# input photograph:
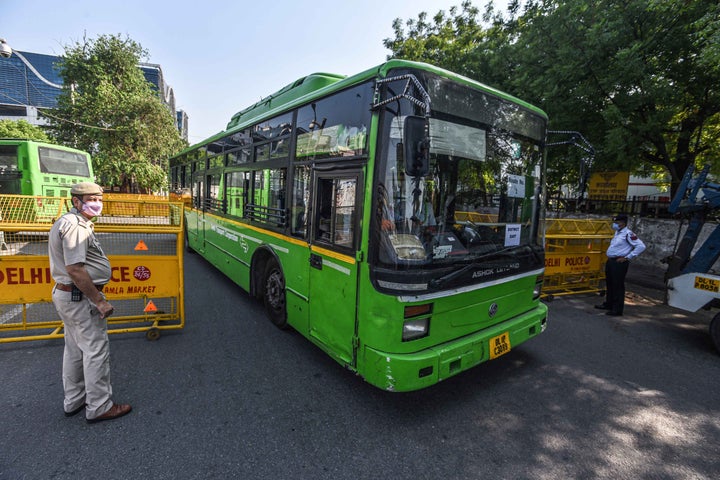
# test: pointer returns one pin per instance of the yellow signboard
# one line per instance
(28, 279)
(608, 185)
(572, 263)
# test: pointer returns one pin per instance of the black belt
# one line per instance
(69, 288)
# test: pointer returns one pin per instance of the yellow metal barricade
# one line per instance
(145, 248)
(131, 204)
(575, 256)
(475, 217)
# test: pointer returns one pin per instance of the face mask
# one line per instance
(615, 226)
(93, 208)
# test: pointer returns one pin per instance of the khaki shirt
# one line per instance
(72, 240)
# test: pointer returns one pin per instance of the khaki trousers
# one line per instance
(86, 359)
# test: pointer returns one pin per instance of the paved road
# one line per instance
(230, 396)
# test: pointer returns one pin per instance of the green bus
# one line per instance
(41, 169)
(391, 217)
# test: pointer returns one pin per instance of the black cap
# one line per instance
(621, 218)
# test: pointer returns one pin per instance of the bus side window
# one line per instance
(236, 188)
(8, 159)
(324, 209)
(345, 212)
(198, 192)
(336, 211)
(301, 201)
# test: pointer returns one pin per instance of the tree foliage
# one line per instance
(22, 129)
(108, 109)
(450, 40)
(639, 78)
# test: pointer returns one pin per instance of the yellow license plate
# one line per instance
(499, 345)
(707, 284)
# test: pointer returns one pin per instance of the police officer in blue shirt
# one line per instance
(624, 246)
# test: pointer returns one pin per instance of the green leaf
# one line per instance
(108, 109)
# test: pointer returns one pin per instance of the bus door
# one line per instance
(195, 223)
(334, 237)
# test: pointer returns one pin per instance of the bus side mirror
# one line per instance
(416, 147)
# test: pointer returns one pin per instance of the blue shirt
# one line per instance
(625, 244)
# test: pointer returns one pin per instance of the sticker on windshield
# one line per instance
(442, 251)
(516, 186)
(512, 235)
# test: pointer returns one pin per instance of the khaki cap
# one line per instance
(86, 188)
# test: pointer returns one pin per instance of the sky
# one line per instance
(222, 56)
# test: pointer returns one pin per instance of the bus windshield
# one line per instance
(473, 214)
(61, 162)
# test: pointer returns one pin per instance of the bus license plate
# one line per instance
(499, 345)
(707, 284)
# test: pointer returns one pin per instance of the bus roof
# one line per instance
(16, 141)
(297, 89)
(317, 85)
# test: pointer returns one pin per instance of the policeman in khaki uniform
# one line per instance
(80, 270)
(624, 246)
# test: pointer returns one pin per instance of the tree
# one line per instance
(22, 129)
(482, 48)
(640, 79)
(459, 41)
(634, 73)
(107, 108)
(451, 41)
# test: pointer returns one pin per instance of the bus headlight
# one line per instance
(414, 329)
(538, 287)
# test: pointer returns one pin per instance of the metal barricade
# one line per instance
(145, 248)
(575, 256)
(131, 204)
(476, 217)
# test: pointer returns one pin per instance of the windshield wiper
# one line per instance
(436, 283)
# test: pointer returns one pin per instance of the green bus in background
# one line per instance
(41, 169)
(391, 217)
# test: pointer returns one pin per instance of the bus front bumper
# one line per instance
(413, 371)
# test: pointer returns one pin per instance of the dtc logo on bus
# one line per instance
(141, 273)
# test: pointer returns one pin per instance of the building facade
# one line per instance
(31, 81)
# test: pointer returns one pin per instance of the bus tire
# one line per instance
(715, 331)
(274, 294)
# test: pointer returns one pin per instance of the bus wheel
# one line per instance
(715, 331)
(274, 296)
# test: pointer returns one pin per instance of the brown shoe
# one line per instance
(116, 411)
